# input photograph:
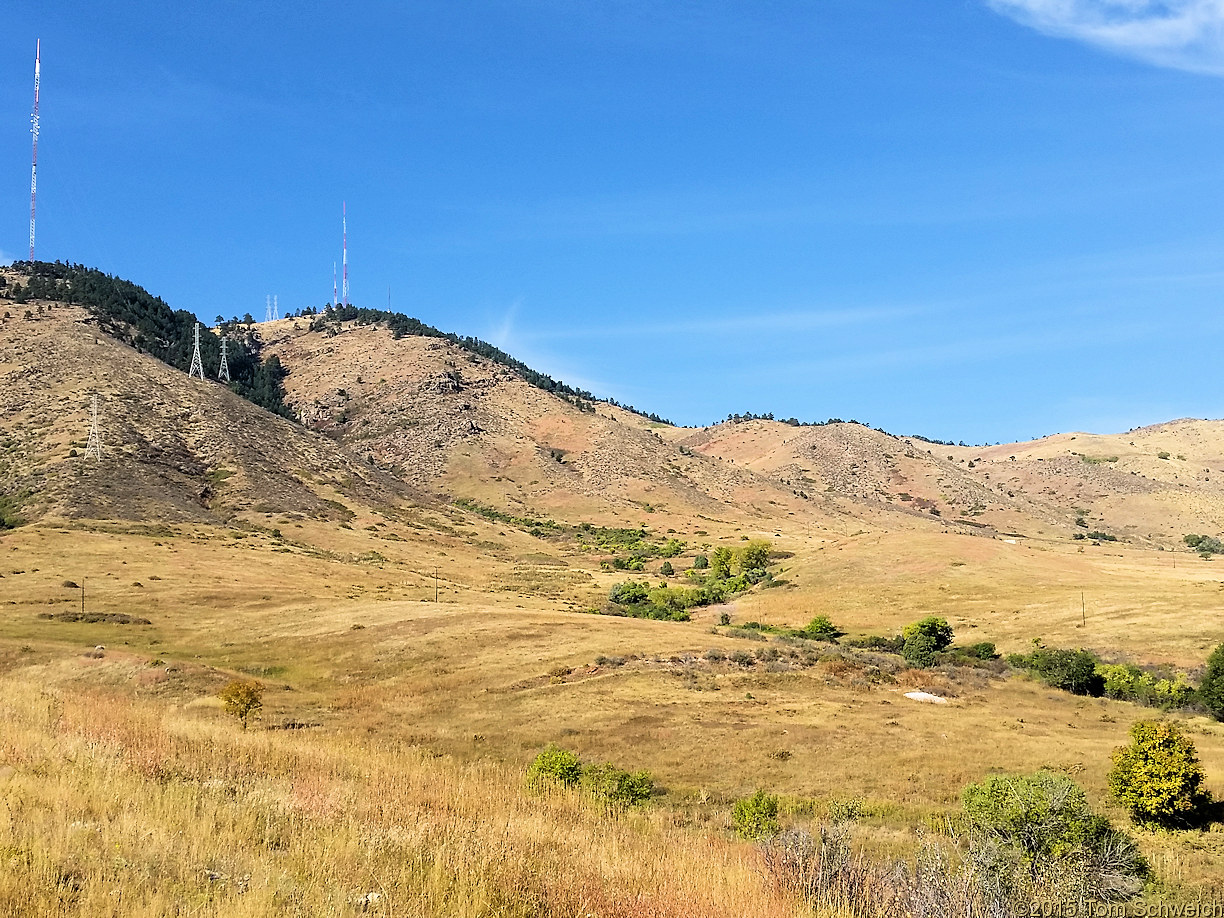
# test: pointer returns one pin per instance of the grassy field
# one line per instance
(130, 792)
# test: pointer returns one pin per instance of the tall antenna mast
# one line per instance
(335, 297)
(34, 131)
(197, 365)
(223, 372)
(344, 206)
(93, 448)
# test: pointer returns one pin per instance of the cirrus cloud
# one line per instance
(1183, 34)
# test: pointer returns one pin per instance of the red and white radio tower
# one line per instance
(34, 131)
(344, 212)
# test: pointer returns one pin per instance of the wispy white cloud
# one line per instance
(1182, 34)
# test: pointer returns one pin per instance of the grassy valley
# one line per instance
(418, 573)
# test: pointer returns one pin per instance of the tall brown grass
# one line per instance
(114, 806)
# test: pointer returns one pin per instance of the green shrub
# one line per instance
(933, 627)
(1042, 826)
(983, 650)
(1211, 688)
(701, 562)
(756, 816)
(666, 569)
(1071, 670)
(820, 629)
(555, 764)
(629, 593)
(1204, 544)
(754, 556)
(919, 651)
(1158, 778)
(615, 785)
(1126, 682)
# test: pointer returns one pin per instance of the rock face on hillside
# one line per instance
(175, 449)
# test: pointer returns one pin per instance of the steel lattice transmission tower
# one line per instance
(93, 449)
(197, 365)
(34, 131)
(223, 372)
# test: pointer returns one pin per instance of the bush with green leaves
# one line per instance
(555, 765)
(1211, 688)
(756, 816)
(1127, 682)
(1204, 545)
(1074, 671)
(700, 563)
(1042, 826)
(820, 629)
(936, 629)
(666, 569)
(919, 651)
(610, 784)
(1158, 778)
(720, 563)
(753, 557)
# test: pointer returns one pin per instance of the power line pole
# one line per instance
(197, 365)
(93, 448)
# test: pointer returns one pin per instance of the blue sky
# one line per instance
(984, 220)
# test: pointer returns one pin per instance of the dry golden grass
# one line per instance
(130, 793)
(122, 808)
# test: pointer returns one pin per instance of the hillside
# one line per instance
(448, 420)
(418, 652)
(1057, 487)
(175, 449)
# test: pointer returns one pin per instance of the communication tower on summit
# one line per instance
(197, 365)
(344, 243)
(93, 449)
(223, 372)
(34, 131)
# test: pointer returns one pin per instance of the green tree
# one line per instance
(666, 569)
(1158, 777)
(756, 816)
(720, 563)
(243, 699)
(1211, 689)
(933, 627)
(754, 556)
